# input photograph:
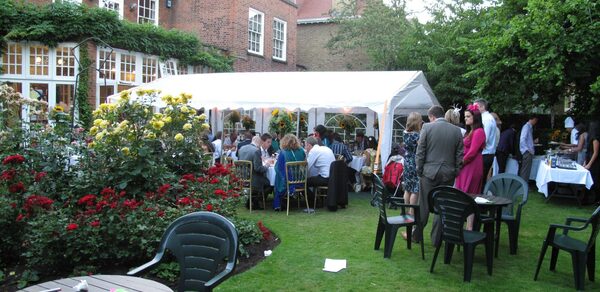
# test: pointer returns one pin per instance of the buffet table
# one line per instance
(546, 174)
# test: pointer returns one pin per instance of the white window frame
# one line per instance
(143, 19)
(256, 35)
(52, 79)
(149, 69)
(13, 51)
(106, 3)
(72, 1)
(283, 40)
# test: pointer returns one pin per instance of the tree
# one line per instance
(537, 53)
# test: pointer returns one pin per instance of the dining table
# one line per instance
(106, 283)
(493, 206)
(547, 174)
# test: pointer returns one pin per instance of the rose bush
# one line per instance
(74, 200)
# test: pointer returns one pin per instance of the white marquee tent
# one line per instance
(385, 92)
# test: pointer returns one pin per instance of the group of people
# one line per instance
(441, 152)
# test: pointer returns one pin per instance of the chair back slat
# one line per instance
(508, 186)
(380, 197)
(296, 175)
(454, 207)
(243, 171)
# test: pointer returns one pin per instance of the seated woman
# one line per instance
(290, 151)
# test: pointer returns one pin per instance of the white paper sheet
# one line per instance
(335, 266)
(480, 200)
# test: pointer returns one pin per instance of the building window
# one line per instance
(168, 68)
(38, 60)
(12, 60)
(255, 31)
(65, 62)
(147, 11)
(182, 69)
(114, 5)
(127, 68)
(64, 94)
(279, 39)
(149, 69)
(107, 63)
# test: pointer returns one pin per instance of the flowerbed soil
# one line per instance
(256, 252)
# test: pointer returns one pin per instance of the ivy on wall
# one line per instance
(63, 22)
(83, 106)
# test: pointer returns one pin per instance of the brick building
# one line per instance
(315, 28)
(259, 34)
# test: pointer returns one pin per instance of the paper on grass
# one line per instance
(480, 200)
(335, 266)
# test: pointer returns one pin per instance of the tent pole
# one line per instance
(298, 124)
(262, 119)
(381, 134)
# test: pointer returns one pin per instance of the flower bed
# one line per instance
(73, 201)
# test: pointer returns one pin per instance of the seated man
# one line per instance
(260, 182)
(319, 160)
(361, 143)
(247, 139)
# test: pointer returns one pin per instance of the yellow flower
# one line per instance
(151, 136)
(185, 109)
(97, 122)
(185, 97)
(205, 126)
(125, 95)
(125, 150)
(104, 124)
(201, 117)
(58, 109)
(187, 127)
(93, 130)
(99, 136)
(158, 116)
(179, 137)
(158, 125)
(167, 120)
(91, 144)
(275, 112)
(123, 124)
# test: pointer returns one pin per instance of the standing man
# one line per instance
(439, 159)
(526, 148)
(490, 128)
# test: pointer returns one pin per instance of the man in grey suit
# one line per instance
(439, 159)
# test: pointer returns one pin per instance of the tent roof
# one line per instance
(304, 90)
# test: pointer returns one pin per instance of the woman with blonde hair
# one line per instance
(453, 117)
(290, 150)
(410, 179)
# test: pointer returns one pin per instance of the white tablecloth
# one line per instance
(512, 166)
(357, 162)
(271, 175)
(546, 174)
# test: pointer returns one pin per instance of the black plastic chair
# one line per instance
(202, 242)
(453, 207)
(513, 187)
(390, 225)
(581, 252)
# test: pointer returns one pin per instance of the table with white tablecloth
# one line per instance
(546, 174)
(512, 166)
(357, 162)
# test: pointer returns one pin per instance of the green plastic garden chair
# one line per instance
(582, 253)
(453, 207)
(515, 188)
(389, 226)
(203, 243)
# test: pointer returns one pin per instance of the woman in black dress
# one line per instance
(592, 162)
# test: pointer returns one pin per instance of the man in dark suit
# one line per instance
(439, 159)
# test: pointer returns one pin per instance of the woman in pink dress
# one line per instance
(470, 177)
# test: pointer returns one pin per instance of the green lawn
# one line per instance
(306, 240)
